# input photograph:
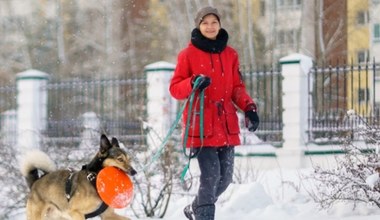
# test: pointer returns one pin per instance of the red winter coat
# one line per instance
(227, 90)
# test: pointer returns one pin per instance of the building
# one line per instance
(358, 38)
(374, 29)
(282, 25)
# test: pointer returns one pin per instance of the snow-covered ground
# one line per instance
(266, 188)
(274, 194)
(277, 194)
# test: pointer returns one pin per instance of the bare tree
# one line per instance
(60, 33)
(250, 33)
(116, 37)
(331, 31)
(159, 177)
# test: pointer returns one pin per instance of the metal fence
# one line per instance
(120, 105)
(334, 91)
(265, 87)
(112, 106)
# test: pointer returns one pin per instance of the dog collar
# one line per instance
(97, 212)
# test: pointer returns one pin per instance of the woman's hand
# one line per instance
(202, 80)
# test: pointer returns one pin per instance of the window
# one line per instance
(362, 18)
(289, 4)
(363, 95)
(362, 56)
(376, 32)
(287, 37)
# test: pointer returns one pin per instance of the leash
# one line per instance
(187, 127)
(190, 100)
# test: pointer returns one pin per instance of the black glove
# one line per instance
(203, 82)
(252, 120)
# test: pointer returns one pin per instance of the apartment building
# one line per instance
(281, 23)
(374, 50)
(358, 37)
(329, 31)
(374, 13)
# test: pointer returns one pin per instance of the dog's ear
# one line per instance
(105, 144)
(115, 142)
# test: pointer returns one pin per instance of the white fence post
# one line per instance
(295, 68)
(31, 107)
(161, 107)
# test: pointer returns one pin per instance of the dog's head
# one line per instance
(114, 156)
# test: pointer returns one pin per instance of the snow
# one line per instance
(305, 62)
(372, 179)
(264, 189)
(275, 194)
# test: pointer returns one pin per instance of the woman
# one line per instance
(213, 66)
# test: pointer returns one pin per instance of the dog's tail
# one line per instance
(33, 163)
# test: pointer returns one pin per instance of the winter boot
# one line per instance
(188, 211)
(205, 212)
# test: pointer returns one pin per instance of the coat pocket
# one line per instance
(195, 128)
(232, 123)
(232, 120)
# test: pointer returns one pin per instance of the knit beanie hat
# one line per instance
(203, 12)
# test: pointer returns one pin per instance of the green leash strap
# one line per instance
(184, 171)
(162, 146)
(201, 109)
(201, 129)
(201, 116)
(174, 125)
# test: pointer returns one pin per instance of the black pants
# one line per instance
(216, 165)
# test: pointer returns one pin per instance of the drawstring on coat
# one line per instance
(220, 60)
(221, 63)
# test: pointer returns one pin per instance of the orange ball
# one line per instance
(114, 187)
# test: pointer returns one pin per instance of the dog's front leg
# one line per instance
(110, 214)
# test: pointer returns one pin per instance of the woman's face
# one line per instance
(209, 26)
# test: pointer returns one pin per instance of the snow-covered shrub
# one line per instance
(356, 175)
(159, 172)
(245, 171)
(13, 187)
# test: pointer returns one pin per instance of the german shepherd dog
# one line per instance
(67, 194)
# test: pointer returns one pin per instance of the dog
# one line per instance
(71, 195)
